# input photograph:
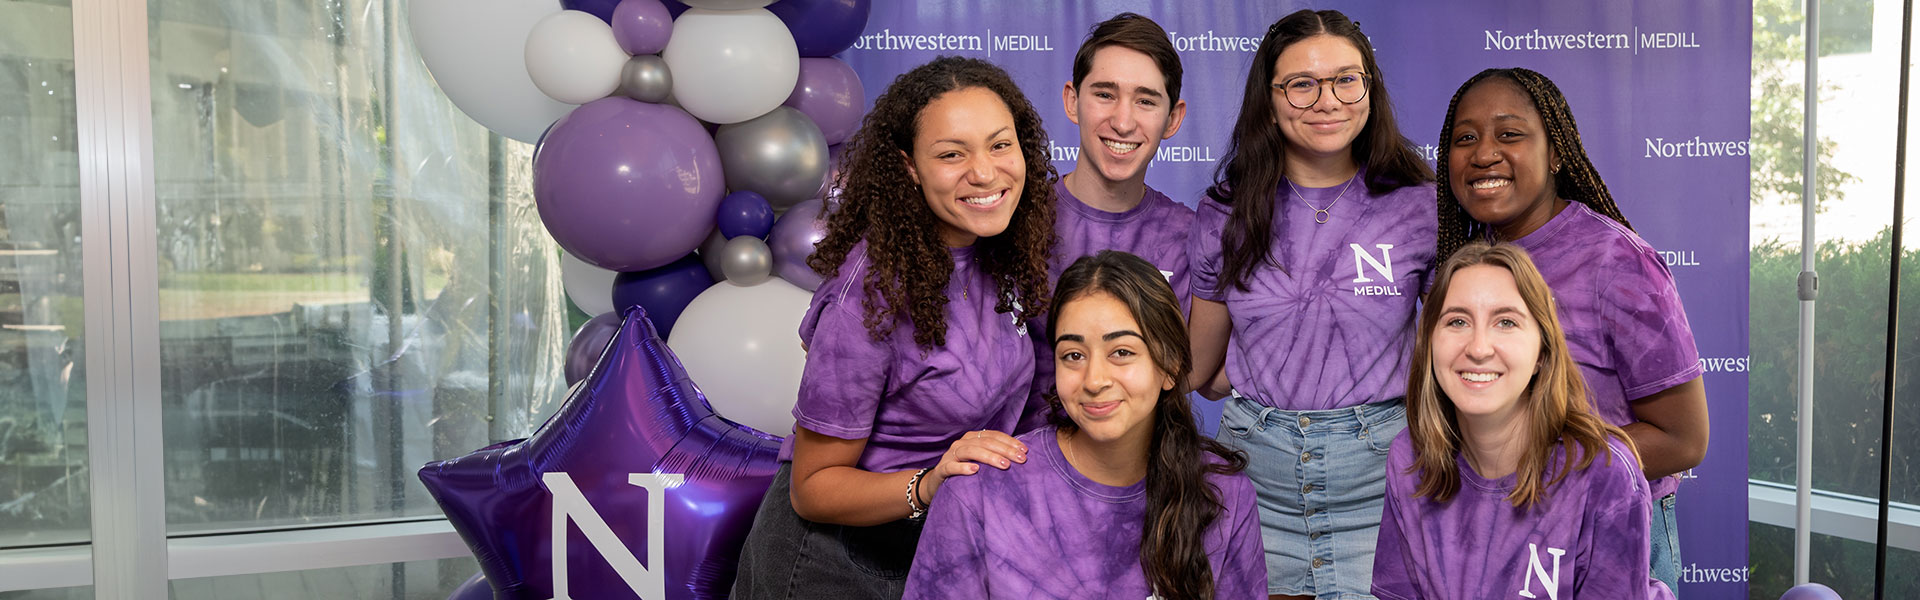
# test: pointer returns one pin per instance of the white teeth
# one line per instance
(1120, 147)
(982, 200)
(1487, 184)
(1479, 377)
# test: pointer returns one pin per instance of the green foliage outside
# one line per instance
(1778, 51)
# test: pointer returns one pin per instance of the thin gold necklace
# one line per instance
(1320, 214)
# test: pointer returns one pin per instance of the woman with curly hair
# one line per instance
(1514, 170)
(1122, 487)
(918, 358)
(1307, 257)
(1505, 481)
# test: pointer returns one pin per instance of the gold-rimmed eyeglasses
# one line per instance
(1303, 91)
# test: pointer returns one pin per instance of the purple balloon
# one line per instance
(627, 185)
(822, 27)
(664, 292)
(598, 8)
(588, 344)
(792, 241)
(675, 8)
(474, 588)
(1810, 591)
(827, 191)
(745, 213)
(829, 93)
(637, 418)
(642, 26)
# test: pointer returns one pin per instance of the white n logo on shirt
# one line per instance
(1361, 259)
(1535, 570)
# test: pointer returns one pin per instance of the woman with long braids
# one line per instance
(918, 360)
(1506, 483)
(1515, 171)
(1121, 497)
(1307, 257)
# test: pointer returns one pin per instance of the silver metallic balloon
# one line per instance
(646, 78)
(781, 155)
(710, 252)
(727, 4)
(746, 260)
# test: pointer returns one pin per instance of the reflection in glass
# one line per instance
(43, 435)
(418, 580)
(353, 280)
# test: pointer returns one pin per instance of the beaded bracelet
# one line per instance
(916, 510)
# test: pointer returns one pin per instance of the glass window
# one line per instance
(72, 593)
(353, 279)
(418, 580)
(43, 392)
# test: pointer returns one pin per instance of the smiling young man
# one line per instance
(1125, 98)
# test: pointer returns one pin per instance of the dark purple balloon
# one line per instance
(642, 26)
(664, 292)
(638, 413)
(588, 343)
(675, 8)
(822, 27)
(598, 8)
(792, 241)
(627, 185)
(829, 93)
(474, 588)
(745, 213)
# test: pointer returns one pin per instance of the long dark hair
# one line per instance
(1181, 503)
(881, 204)
(1256, 154)
(1554, 404)
(1577, 180)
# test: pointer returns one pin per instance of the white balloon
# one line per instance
(590, 287)
(573, 57)
(731, 65)
(738, 345)
(474, 50)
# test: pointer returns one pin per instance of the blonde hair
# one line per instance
(1554, 404)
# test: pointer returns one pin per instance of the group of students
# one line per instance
(995, 399)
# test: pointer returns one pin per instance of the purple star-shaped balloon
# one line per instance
(653, 491)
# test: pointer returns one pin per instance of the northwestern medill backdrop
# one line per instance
(1660, 90)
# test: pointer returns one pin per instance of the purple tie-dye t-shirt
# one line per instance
(1621, 312)
(910, 403)
(1156, 230)
(1587, 539)
(1043, 530)
(1335, 329)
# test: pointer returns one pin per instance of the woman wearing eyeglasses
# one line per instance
(1308, 254)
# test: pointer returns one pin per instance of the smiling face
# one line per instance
(1486, 346)
(1123, 112)
(1328, 127)
(1500, 162)
(1107, 381)
(966, 158)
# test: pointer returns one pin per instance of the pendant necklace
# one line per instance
(1320, 215)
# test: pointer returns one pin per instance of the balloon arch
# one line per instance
(677, 145)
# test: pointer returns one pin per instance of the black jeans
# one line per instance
(788, 557)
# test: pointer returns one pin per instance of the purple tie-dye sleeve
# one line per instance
(1243, 562)
(846, 371)
(951, 561)
(1616, 534)
(1392, 560)
(1651, 341)
(1203, 252)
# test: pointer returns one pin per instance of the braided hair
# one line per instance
(1576, 180)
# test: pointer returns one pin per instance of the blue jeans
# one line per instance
(1665, 539)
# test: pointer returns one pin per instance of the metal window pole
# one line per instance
(1893, 304)
(1809, 292)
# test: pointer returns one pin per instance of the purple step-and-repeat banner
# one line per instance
(1660, 90)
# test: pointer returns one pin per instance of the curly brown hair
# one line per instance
(881, 204)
